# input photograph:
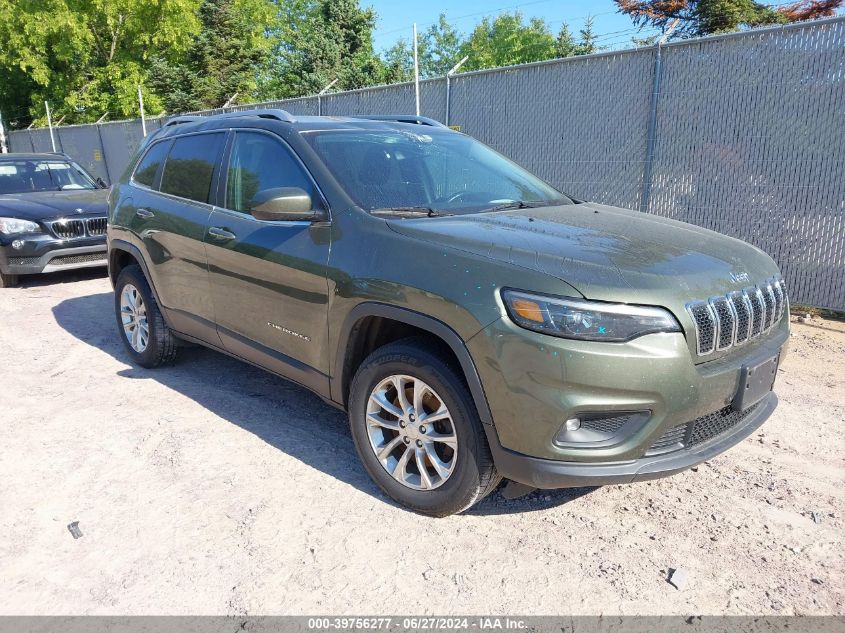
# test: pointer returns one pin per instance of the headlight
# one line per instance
(14, 226)
(586, 320)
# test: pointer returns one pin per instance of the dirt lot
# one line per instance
(212, 487)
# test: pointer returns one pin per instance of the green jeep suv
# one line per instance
(476, 323)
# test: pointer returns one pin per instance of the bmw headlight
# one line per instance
(586, 320)
(14, 226)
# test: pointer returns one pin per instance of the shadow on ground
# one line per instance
(62, 277)
(283, 414)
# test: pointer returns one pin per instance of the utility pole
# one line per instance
(416, 71)
(3, 148)
(141, 106)
(50, 125)
(451, 72)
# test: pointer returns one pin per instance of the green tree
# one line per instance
(587, 44)
(222, 60)
(508, 40)
(87, 57)
(565, 45)
(438, 48)
(318, 41)
(703, 17)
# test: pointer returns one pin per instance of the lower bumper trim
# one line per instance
(58, 259)
(548, 473)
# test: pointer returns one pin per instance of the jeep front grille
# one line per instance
(726, 321)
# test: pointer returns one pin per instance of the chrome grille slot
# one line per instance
(758, 310)
(780, 298)
(725, 321)
(705, 326)
(769, 300)
(742, 311)
(68, 229)
(96, 226)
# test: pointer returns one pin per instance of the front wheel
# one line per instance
(145, 335)
(417, 432)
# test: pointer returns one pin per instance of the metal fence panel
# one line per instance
(749, 142)
(578, 123)
(120, 141)
(82, 142)
(749, 136)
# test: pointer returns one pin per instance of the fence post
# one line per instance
(449, 74)
(652, 117)
(3, 148)
(50, 125)
(651, 130)
(103, 153)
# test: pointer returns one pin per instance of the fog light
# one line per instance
(17, 244)
(573, 424)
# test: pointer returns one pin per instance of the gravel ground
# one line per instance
(212, 487)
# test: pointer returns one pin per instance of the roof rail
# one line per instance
(264, 113)
(400, 118)
(177, 120)
(268, 113)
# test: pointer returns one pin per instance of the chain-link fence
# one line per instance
(741, 133)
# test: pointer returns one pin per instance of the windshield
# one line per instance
(443, 172)
(26, 176)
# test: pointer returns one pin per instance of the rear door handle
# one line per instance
(145, 213)
(221, 234)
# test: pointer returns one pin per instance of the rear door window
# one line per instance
(189, 169)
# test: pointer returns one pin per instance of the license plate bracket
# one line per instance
(755, 381)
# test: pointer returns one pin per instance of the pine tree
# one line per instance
(587, 44)
(222, 59)
(565, 46)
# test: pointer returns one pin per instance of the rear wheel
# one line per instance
(145, 335)
(8, 281)
(417, 431)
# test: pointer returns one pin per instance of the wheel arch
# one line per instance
(356, 333)
(123, 254)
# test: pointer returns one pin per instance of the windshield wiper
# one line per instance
(517, 204)
(426, 212)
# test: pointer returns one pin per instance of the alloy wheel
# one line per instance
(411, 432)
(133, 316)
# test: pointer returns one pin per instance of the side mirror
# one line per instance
(284, 203)
(101, 183)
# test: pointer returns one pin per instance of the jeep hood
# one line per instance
(49, 205)
(606, 253)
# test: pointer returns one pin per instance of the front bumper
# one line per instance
(548, 473)
(43, 254)
(534, 383)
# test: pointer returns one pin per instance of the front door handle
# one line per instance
(221, 234)
(145, 213)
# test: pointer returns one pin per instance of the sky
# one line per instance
(396, 17)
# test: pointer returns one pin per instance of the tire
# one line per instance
(160, 344)
(473, 474)
(8, 281)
